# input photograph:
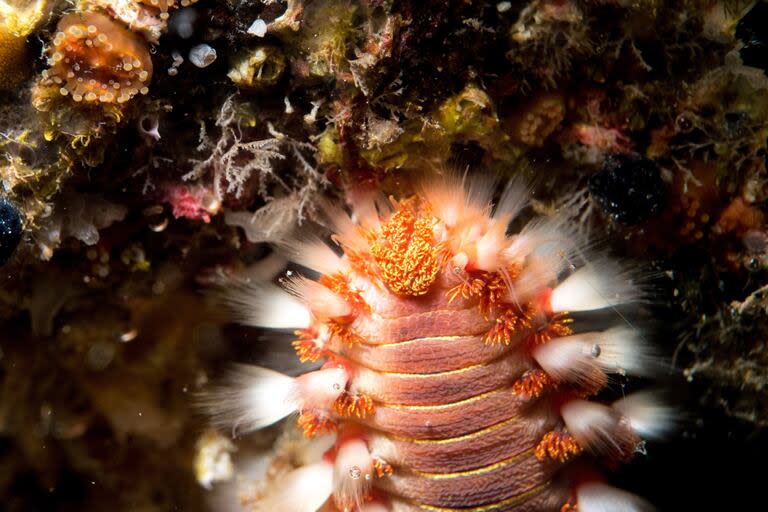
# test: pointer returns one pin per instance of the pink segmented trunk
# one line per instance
(455, 378)
(445, 415)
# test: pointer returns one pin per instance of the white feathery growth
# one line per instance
(310, 450)
(364, 212)
(264, 305)
(490, 245)
(541, 270)
(600, 497)
(647, 415)
(265, 269)
(598, 427)
(601, 284)
(623, 350)
(582, 358)
(571, 359)
(305, 489)
(384, 448)
(544, 248)
(311, 252)
(512, 200)
(455, 198)
(546, 238)
(346, 232)
(479, 194)
(446, 196)
(365, 379)
(352, 474)
(252, 398)
(319, 389)
(320, 300)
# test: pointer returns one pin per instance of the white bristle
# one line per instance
(512, 201)
(600, 497)
(569, 359)
(305, 489)
(586, 357)
(259, 481)
(598, 428)
(479, 193)
(311, 252)
(647, 415)
(602, 284)
(320, 300)
(489, 247)
(549, 238)
(540, 271)
(364, 212)
(456, 198)
(319, 389)
(622, 350)
(264, 305)
(265, 269)
(352, 474)
(385, 448)
(346, 232)
(386, 205)
(308, 451)
(446, 196)
(253, 398)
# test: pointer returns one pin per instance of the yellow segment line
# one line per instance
(442, 406)
(432, 375)
(416, 340)
(458, 439)
(483, 508)
(476, 471)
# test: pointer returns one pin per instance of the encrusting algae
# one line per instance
(18, 19)
(13, 58)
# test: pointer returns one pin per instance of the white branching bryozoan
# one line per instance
(233, 162)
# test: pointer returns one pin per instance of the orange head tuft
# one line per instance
(406, 251)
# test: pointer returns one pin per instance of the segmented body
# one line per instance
(446, 415)
(454, 376)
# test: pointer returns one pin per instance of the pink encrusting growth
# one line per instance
(455, 376)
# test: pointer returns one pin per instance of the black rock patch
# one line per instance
(628, 188)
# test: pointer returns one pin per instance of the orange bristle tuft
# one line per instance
(559, 446)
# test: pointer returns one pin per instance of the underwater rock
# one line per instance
(80, 216)
(628, 188)
(17, 21)
(129, 207)
(10, 230)
(752, 30)
(13, 58)
(257, 67)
